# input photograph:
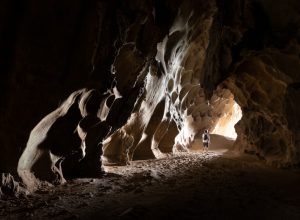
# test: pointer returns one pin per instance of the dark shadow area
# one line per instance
(186, 186)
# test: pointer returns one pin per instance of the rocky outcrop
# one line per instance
(65, 143)
(262, 85)
(10, 188)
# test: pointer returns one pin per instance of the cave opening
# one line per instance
(220, 114)
(226, 120)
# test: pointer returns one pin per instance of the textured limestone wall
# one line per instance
(227, 113)
(172, 92)
(50, 49)
(46, 54)
(265, 83)
(251, 52)
(264, 86)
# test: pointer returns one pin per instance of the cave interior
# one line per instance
(97, 94)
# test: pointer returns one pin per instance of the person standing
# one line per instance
(205, 140)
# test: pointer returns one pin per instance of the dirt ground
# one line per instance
(211, 185)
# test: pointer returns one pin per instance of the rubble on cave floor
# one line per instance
(185, 185)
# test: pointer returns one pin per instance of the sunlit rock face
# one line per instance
(227, 113)
(172, 97)
(250, 54)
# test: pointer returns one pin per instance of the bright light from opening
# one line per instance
(225, 125)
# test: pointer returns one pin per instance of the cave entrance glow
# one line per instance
(225, 124)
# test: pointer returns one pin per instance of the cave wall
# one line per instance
(160, 62)
(172, 91)
(265, 83)
(192, 60)
(242, 46)
(49, 49)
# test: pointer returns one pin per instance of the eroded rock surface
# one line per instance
(263, 86)
(65, 142)
(158, 72)
(10, 188)
(249, 53)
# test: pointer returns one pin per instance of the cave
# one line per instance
(104, 104)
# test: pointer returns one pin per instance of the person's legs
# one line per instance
(206, 146)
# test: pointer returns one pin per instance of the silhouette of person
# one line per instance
(205, 140)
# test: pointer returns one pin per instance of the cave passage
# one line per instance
(130, 87)
(231, 115)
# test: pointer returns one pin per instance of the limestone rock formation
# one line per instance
(156, 73)
(62, 139)
(263, 85)
(201, 52)
(9, 187)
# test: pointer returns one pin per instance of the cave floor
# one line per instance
(197, 185)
